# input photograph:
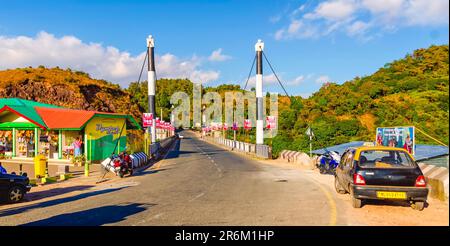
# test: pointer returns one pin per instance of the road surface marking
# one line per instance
(331, 202)
(197, 196)
(157, 216)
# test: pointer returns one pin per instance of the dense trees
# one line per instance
(409, 91)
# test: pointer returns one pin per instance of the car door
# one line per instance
(340, 169)
(4, 184)
(347, 172)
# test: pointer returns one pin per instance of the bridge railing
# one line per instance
(261, 151)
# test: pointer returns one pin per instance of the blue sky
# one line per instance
(308, 42)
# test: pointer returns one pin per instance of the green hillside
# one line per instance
(409, 91)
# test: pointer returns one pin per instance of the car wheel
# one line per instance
(419, 206)
(338, 186)
(356, 203)
(321, 170)
(16, 194)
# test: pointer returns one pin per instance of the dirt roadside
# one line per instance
(377, 213)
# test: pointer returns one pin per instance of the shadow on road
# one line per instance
(17, 210)
(175, 152)
(389, 203)
(93, 217)
(149, 171)
(33, 196)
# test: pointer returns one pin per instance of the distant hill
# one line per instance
(409, 91)
(71, 89)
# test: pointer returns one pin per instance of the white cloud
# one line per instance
(299, 9)
(298, 29)
(102, 62)
(363, 18)
(383, 6)
(217, 56)
(275, 19)
(269, 79)
(297, 81)
(424, 12)
(334, 10)
(322, 79)
(357, 28)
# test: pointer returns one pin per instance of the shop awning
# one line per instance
(47, 116)
(28, 113)
(60, 118)
(18, 125)
(25, 109)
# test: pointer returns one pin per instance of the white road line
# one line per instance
(197, 196)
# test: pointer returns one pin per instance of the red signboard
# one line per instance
(247, 124)
(270, 122)
(235, 126)
(225, 126)
(147, 119)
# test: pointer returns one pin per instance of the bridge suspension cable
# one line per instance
(142, 68)
(276, 76)
(250, 73)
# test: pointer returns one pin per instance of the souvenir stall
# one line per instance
(29, 128)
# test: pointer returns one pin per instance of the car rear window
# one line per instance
(385, 159)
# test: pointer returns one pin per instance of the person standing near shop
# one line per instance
(77, 144)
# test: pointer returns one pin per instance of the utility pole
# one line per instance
(259, 46)
(151, 85)
(310, 133)
(172, 120)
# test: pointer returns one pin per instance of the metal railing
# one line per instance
(262, 151)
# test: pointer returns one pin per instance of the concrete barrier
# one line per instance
(262, 151)
(282, 154)
(304, 160)
(290, 156)
(298, 158)
(437, 179)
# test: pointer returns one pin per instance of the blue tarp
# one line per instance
(339, 148)
(422, 151)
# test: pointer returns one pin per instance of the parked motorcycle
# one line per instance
(328, 162)
(122, 164)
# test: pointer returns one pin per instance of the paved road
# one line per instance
(198, 183)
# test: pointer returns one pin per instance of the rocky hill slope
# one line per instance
(71, 89)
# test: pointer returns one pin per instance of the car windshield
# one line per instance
(385, 159)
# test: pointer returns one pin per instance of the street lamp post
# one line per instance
(259, 46)
(203, 121)
(172, 120)
(151, 84)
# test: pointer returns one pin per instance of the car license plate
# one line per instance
(391, 195)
